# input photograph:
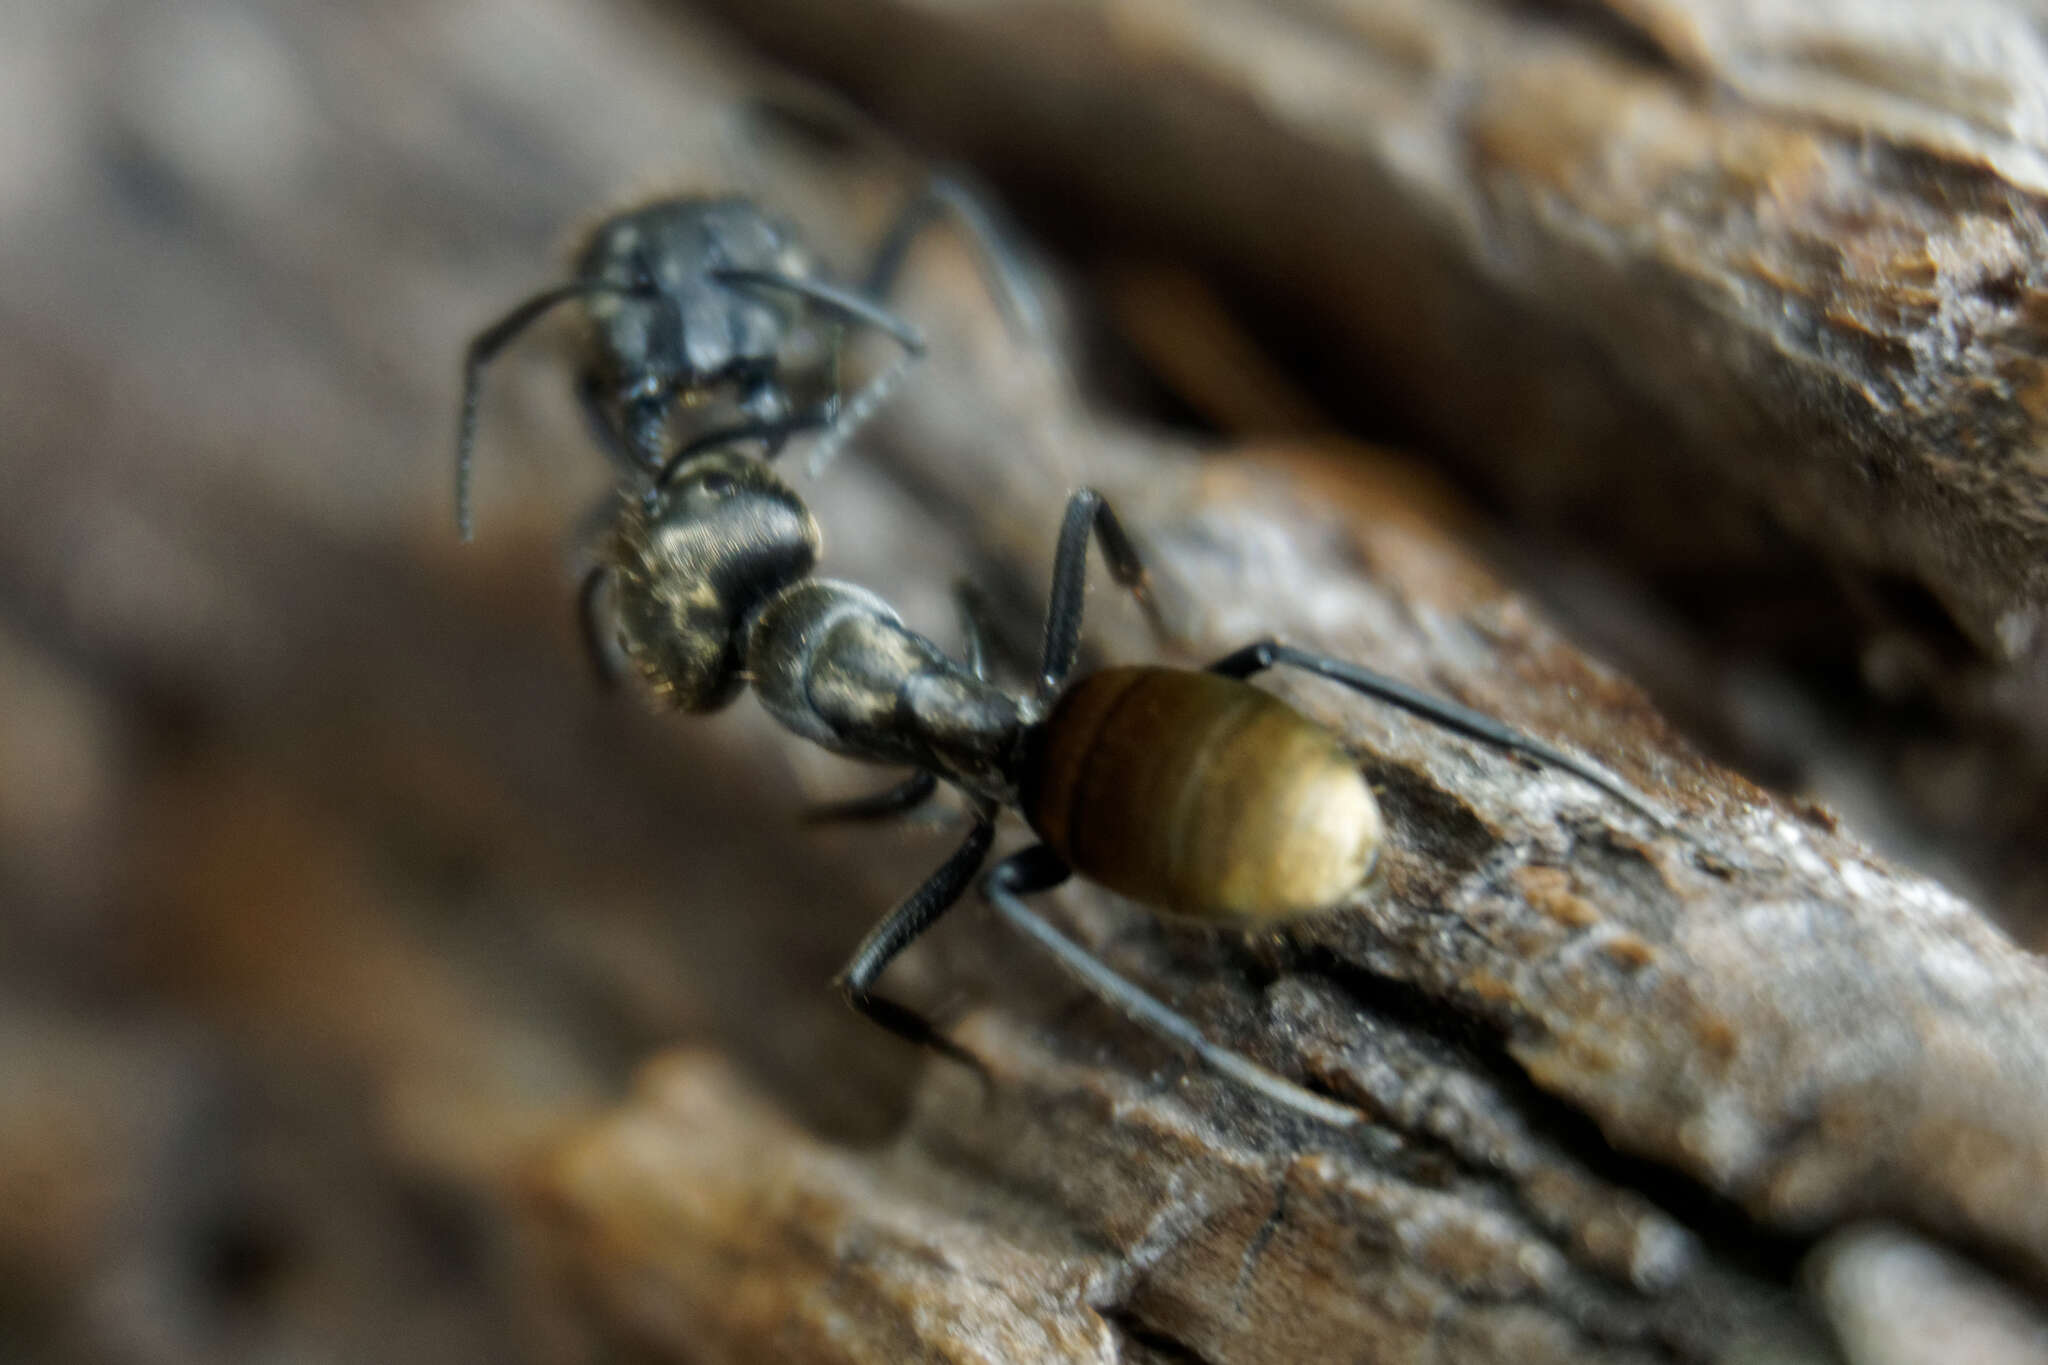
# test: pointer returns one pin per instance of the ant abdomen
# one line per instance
(1200, 794)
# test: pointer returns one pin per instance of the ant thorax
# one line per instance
(687, 572)
(835, 664)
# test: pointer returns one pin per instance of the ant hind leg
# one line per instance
(1450, 715)
(1039, 869)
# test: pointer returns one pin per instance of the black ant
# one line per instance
(696, 297)
(1190, 791)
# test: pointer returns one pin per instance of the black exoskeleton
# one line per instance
(1190, 791)
(708, 301)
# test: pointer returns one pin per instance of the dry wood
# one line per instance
(1747, 1007)
(1749, 299)
(332, 839)
(1556, 241)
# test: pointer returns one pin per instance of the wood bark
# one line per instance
(1749, 299)
(1614, 1074)
(1804, 250)
(343, 905)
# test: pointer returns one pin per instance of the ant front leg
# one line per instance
(771, 433)
(899, 929)
(604, 429)
(1087, 511)
(850, 307)
(593, 621)
(1040, 869)
(1265, 654)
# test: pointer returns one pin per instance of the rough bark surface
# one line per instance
(1775, 1032)
(1805, 251)
(1752, 300)
(342, 907)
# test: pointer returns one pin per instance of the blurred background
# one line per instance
(331, 889)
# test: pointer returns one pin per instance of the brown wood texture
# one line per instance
(1749, 299)
(1540, 978)
(343, 908)
(1804, 249)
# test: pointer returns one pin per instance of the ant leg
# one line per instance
(1039, 869)
(590, 398)
(1255, 658)
(1086, 511)
(1003, 272)
(990, 648)
(854, 308)
(773, 433)
(1000, 267)
(915, 914)
(907, 795)
(591, 619)
(483, 349)
(973, 610)
(832, 123)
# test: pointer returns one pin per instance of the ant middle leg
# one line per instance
(906, 796)
(901, 927)
(1265, 654)
(1039, 869)
(1088, 511)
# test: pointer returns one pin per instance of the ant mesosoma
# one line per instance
(1193, 792)
(697, 297)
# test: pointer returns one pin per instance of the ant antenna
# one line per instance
(483, 349)
(845, 302)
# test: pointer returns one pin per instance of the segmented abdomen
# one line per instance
(1200, 794)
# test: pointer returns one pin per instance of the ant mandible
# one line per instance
(700, 296)
(1190, 791)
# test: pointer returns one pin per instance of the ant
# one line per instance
(698, 296)
(1190, 791)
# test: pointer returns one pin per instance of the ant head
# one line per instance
(667, 324)
(691, 564)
